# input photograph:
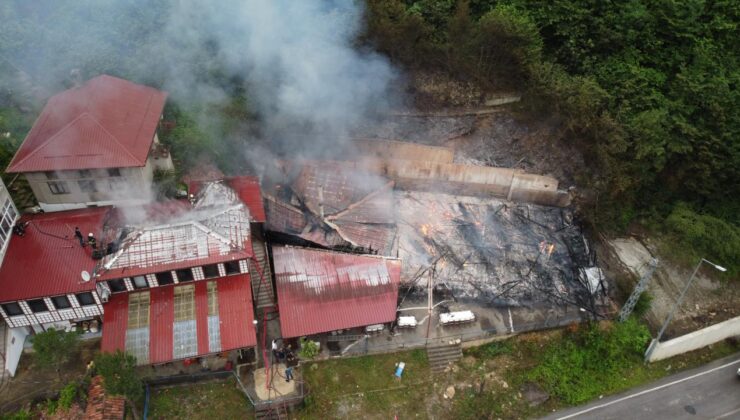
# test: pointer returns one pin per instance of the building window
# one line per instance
(87, 185)
(59, 187)
(117, 285)
(85, 173)
(37, 305)
(140, 282)
(12, 309)
(232, 267)
(210, 271)
(184, 275)
(51, 175)
(85, 298)
(138, 310)
(114, 172)
(61, 302)
(164, 278)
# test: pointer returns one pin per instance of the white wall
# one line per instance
(14, 348)
(696, 340)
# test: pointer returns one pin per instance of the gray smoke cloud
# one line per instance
(304, 77)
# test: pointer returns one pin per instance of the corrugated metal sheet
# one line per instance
(236, 313)
(106, 123)
(48, 259)
(377, 207)
(333, 185)
(248, 189)
(201, 314)
(115, 323)
(161, 318)
(378, 238)
(236, 327)
(282, 217)
(321, 291)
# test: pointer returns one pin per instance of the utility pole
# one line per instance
(656, 340)
(629, 306)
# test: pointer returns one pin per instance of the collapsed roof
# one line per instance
(215, 229)
(335, 205)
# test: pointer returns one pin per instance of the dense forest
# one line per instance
(646, 89)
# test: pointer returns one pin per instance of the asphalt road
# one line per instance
(708, 392)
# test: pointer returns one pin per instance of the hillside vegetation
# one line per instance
(646, 89)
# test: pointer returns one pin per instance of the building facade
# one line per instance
(95, 145)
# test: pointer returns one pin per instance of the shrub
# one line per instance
(54, 347)
(706, 235)
(119, 374)
(642, 306)
(309, 349)
(585, 363)
(67, 396)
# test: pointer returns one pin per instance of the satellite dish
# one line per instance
(85, 276)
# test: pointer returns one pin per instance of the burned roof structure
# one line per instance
(215, 229)
(493, 251)
(334, 205)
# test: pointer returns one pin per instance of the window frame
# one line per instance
(87, 185)
(57, 307)
(33, 302)
(232, 264)
(187, 278)
(169, 278)
(206, 276)
(92, 298)
(116, 281)
(58, 187)
(16, 304)
(137, 287)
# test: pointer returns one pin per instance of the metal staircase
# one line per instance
(264, 297)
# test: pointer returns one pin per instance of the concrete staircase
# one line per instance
(442, 355)
(264, 297)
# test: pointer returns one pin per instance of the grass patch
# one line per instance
(342, 387)
(220, 399)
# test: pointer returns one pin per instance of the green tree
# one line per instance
(120, 377)
(52, 348)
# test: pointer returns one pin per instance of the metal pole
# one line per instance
(675, 306)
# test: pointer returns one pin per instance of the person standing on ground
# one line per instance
(274, 349)
(288, 374)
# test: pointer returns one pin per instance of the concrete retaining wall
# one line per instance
(696, 340)
(512, 184)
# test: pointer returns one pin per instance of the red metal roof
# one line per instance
(106, 123)
(48, 259)
(236, 313)
(248, 189)
(236, 316)
(321, 291)
(333, 185)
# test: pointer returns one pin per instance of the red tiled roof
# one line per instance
(235, 311)
(48, 259)
(101, 406)
(321, 291)
(106, 123)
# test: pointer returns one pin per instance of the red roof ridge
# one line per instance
(121, 148)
